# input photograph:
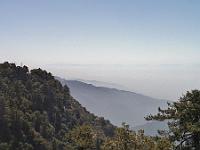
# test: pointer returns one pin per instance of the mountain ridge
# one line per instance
(116, 104)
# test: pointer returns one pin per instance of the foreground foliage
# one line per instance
(184, 121)
(126, 139)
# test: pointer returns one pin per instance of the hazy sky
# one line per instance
(123, 32)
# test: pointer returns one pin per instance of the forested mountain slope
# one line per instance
(37, 112)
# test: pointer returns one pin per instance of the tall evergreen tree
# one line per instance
(184, 120)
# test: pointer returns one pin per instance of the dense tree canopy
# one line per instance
(37, 112)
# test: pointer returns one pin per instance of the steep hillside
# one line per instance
(37, 112)
(116, 105)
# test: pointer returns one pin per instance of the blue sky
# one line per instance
(100, 31)
(153, 44)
